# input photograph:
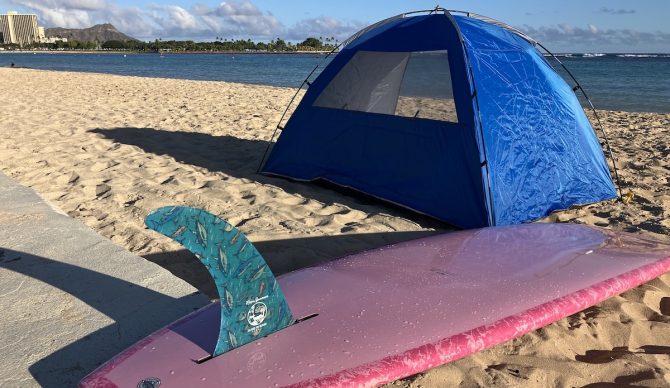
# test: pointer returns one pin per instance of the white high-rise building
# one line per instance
(18, 28)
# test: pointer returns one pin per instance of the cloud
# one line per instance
(63, 13)
(131, 21)
(323, 26)
(238, 8)
(237, 19)
(563, 35)
(242, 18)
(174, 20)
(612, 11)
(85, 5)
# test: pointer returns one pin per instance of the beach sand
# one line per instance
(108, 149)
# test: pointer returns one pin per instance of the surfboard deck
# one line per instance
(395, 311)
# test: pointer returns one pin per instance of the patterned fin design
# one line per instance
(252, 304)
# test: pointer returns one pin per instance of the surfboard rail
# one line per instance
(450, 349)
(399, 310)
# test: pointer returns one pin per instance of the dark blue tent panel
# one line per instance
(453, 117)
(378, 155)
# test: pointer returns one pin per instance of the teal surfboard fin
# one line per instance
(252, 304)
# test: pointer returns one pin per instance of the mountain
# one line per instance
(99, 32)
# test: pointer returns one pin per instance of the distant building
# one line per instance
(53, 39)
(19, 29)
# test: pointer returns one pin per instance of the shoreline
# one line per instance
(293, 87)
(631, 55)
(117, 52)
(106, 149)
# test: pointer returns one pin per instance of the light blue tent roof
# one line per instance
(498, 136)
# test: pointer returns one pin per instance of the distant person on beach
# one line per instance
(12, 65)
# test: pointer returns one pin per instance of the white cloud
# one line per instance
(213, 23)
(56, 13)
(238, 8)
(175, 20)
(243, 19)
(572, 38)
(86, 5)
(612, 11)
(200, 9)
(323, 26)
(83, 5)
(131, 21)
(232, 19)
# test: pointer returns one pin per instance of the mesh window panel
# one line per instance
(369, 82)
(426, 90)
(416, 84)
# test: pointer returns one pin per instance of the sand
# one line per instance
(443, 109)
(108, 149)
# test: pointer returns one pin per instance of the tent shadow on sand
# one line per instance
(240, 158)
(71, 363)
(284, 256)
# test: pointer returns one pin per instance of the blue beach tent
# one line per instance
(450, 114)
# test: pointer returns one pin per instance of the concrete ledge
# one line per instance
(69, 298)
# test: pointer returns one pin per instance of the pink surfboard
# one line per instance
(395, 311)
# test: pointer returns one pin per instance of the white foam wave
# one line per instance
(637, 55)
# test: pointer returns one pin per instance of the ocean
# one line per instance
(628, 82)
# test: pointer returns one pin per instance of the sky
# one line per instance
(562, 26)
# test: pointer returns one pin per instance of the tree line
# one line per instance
(218, 45)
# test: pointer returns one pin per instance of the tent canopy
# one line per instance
(451, 116)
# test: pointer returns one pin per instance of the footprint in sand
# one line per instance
(665, 306)
(606, 356)
(505, 371)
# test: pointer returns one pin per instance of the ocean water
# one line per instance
(264, 69)
(629, 82)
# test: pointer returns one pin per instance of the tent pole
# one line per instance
(279, 126)
(288, 106)
(305, 82)
(485, 163)
(595, 114)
